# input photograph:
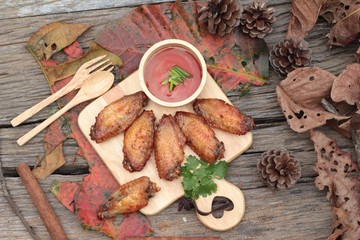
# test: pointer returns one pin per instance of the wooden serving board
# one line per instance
(111, 150)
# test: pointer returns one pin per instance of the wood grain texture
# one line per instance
(299, 213)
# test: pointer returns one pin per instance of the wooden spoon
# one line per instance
(230, 218)
(96, 85)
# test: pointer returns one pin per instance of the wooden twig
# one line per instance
(14, 206)
(41, 203)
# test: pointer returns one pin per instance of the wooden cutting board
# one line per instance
(111, 150)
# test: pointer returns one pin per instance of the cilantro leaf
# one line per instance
(220, 169)
(198, 176)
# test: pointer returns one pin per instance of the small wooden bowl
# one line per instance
(161, 46)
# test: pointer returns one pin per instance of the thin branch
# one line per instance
(14, 206)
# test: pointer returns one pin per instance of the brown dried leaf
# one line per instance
(338, 172)
(300, 94)
(54, 156)
(304, 16)
(346, 30)
(355, 134)
(346, 86)
(50, 163)
(336, 10)
(53, 37)
(64, 70)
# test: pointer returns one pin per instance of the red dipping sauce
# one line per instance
(157, 68)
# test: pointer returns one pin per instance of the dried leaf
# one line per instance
(50, 163)
(355, 134)
(300, 95)
(54, 157)
(53, 136)
(346, 30)
(335, 10)
(231, 60)
(338, 173)
(65, 192)
(98, 184)
(64, 70)
(53, 37)
(346, 86)
(304, 16)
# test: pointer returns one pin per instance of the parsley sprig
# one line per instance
(176, 76)
(198, 177)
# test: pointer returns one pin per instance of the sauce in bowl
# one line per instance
(157, 68)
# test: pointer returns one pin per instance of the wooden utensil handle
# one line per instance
(40, 201)
(36, 108)
(230, 218)
(33, 132)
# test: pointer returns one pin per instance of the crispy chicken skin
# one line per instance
(117, 116)
(200, 137)
(224, 116)
(169, 148)
(129, 197)
(139, 141)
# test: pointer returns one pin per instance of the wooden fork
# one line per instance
(84, 72)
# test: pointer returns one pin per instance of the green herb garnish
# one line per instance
(198, 177)
(176, 76)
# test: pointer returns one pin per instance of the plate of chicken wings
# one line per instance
(138, 138)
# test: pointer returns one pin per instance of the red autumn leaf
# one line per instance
(339, 174)
(97, 186)
(300, 95)
(93, 192)
(304, 16)
(233, 59)
(346, 86)
(65, 193)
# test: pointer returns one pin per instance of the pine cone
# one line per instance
(221, 16)
(289, 54)
(279, 169)
(257, 20)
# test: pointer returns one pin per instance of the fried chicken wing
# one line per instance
(138, 142)
(169, 148)
(224, 116)
(129, 197)
(200, 137)
(117, 116)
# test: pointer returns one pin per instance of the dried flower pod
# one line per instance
(289, 54)
(279, 169)
(257, 20)
(221, 16)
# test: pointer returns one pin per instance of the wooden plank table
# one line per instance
(299, 213)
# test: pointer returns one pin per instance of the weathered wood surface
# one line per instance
(299, 213)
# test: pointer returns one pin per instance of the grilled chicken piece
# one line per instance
(169, 148)
(138, 142)
(129, 197)
(224, 116)
(200, 137)
(117, 116)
